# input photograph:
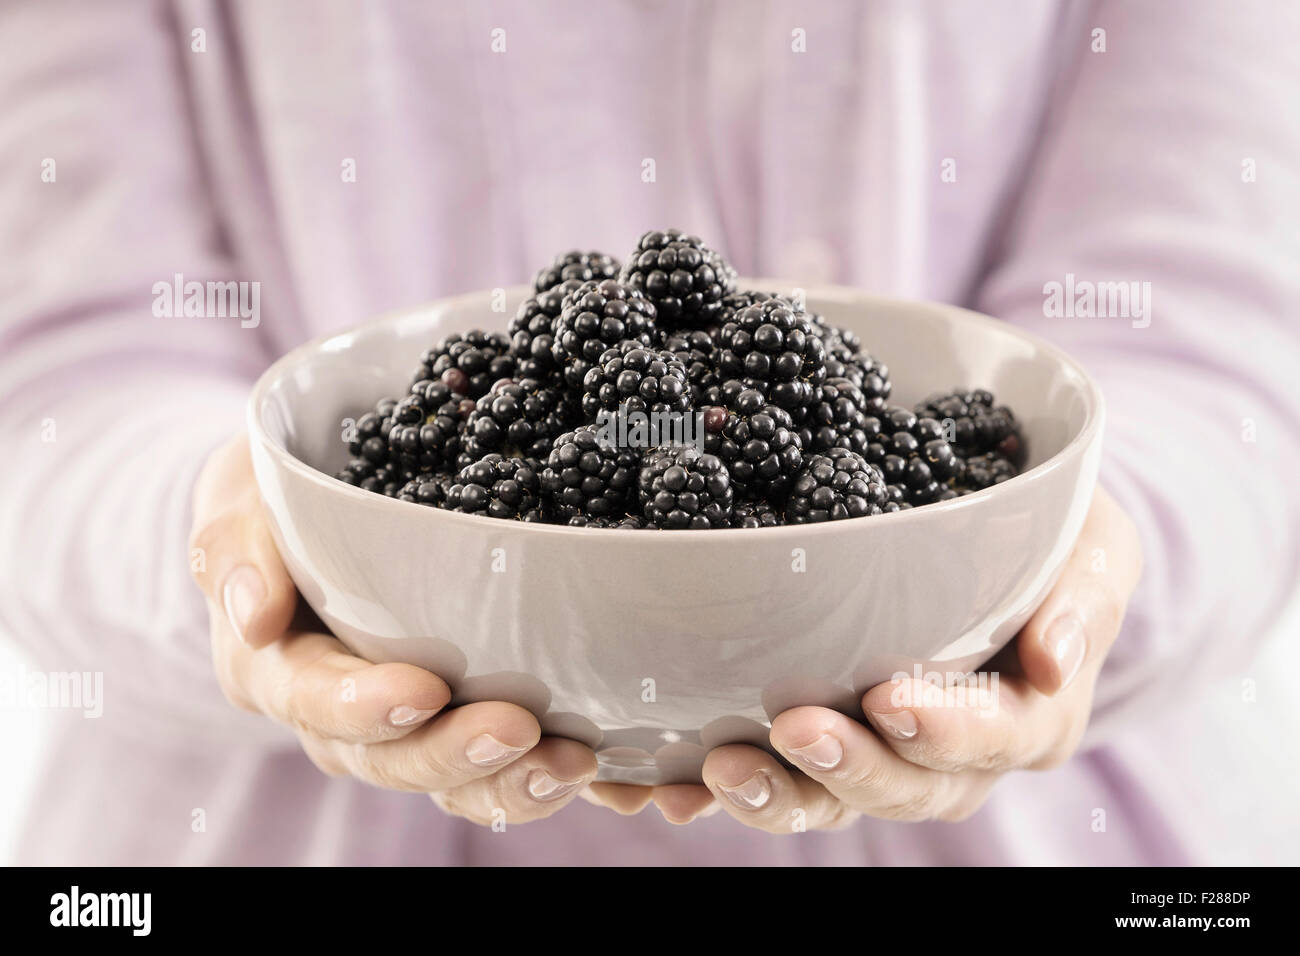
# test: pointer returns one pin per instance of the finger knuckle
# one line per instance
(453, 803)
(998, 754)
(234, 694)
(223, 669)
(372, 765)
(840, 816)
(292, 698)
(1062, 744)
(428, 765)
(322, 757)
(961, 810)
(920, 805)
(871, 777)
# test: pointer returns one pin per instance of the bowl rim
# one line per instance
(1085, 437)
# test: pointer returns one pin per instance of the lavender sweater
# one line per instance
(962, 152)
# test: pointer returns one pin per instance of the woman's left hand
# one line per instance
(935, 753)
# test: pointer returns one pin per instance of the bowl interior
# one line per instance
(324, 386)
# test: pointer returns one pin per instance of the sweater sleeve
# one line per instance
(1169, 160)
(108, 405)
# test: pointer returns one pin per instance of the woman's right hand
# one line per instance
(381, 723)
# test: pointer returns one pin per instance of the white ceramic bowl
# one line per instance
(650, 646)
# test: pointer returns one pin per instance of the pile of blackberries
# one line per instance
(781, 418)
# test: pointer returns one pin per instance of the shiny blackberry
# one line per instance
(583, 477)
(772, 346)
(428, 490)
(638, 379)
(911, 452)
(839, 417)
(577, 267)
(897, 499)
(498, 487)
(531, 331)
(739, 301)
(697, 351)
(846, 359)
(515, 418)
(684, 278)
(427, 427)
(624, 522)
(384, 478)
(371, 466)
(470, 363)
(839, 484)
(595, 317)
(985, 471)
(682, 487)
(369, 436)
(756, 513)
(975, 424)
(758, 444)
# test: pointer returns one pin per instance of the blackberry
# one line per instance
(531, 331)
(773, 347)
(584, 478)
(755, 513)
(515, 418)
(370, 434)
(897, 498)
(577, 267)
(838, 418)
(428, 490)
(839, 484)
(597, 316)
(468, 363)
(696, 350)
(682, 487)
(846, 359)
(427, 426)
(976, 426)
(984, 471)
(498, 487)
(371, 466)
(911, 452)
(739, 301)
(758, 444)
(625, 522)
(643, 380)
(382, 479)
(684, 278)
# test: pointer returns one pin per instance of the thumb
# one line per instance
(233, 556)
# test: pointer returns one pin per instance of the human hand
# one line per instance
(936, 753)
(381, 723)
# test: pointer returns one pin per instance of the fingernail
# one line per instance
(486, 751)
(751, 794)
(242, 595)
(824, 753)
(1067, 643)
(901, 723)
(404, 716)
(545, 788)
